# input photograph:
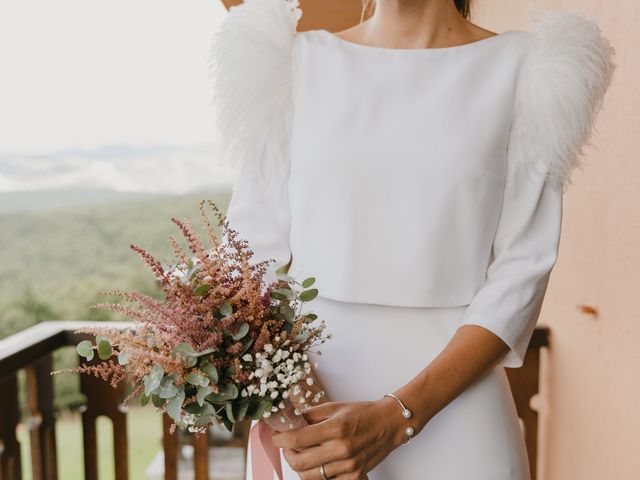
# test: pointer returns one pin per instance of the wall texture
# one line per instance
(591, 409)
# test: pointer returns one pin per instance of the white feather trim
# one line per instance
(560, 92)
(250, 67)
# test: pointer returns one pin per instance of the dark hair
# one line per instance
(463, 6)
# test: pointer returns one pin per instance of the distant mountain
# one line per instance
(46, 201)
(118, 168)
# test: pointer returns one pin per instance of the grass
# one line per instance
(145, 440)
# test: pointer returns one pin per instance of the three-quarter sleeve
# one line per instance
(261, 216)
(560, 90)
(525, 249)
(251, 66)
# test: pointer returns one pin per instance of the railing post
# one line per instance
(524, 383)
(103, 399)
(170, 448)
(42, 425)
(201, 456)
(10, 467)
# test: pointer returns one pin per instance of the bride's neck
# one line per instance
(414, 24)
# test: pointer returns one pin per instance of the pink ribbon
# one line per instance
(265, 456)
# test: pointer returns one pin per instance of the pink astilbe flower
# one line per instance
(193, 351)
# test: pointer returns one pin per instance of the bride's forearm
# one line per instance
(469, 355)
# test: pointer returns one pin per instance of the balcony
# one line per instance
(183, 456)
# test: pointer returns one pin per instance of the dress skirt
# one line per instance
(377, 348)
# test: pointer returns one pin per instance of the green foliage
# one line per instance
(85, 349)
(242, 331)
(54, 263)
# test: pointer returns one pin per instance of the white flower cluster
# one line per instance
(278, 374)
(180, 271)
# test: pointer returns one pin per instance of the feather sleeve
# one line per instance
(560, 89)
(250, 65)
(251, 68)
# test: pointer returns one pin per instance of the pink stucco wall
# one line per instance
(591, 406)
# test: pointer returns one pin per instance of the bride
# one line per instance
(414, 164)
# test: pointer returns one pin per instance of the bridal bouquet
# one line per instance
(220, 345)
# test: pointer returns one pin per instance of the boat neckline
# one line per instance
(372, 48)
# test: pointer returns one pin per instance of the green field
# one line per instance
(56, 260)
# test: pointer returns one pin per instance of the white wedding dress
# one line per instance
(423, 189)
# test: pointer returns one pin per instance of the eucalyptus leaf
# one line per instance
(311, 316)
(151, 384)
(242, 331)
(227, 423)
(197, 380)
(123, 358)
(104, 349)
(157, 401)
(246, 346)
(225, 309)
(204, 420)
(191, 361)
(194, 409)
(241, 410)
(227, 392)
(254, 406)
(278, 295)
(229, 410)
(289, 313)
(210, 370)
(157, 372)
(85, 349)
(153, 379)
(308, 295)
(174, 406)
(144, 399)
(208, 409)
(202, 290)
(263, 406)
(307, 282)
(204, 352)
(183, 349)
(168, 391)
(202, 392)
(287, 292)
(301, 337)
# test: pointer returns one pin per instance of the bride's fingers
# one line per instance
(346, 469)
(311, 457)
(304, 437)
(317, 413)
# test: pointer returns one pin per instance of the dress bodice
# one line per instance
(408, 177)
(397, 165)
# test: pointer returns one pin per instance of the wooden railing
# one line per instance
(31, 350)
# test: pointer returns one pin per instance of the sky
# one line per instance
(82, 74)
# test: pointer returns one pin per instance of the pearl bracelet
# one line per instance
(406, 413)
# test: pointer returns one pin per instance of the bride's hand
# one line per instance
(348, 438)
